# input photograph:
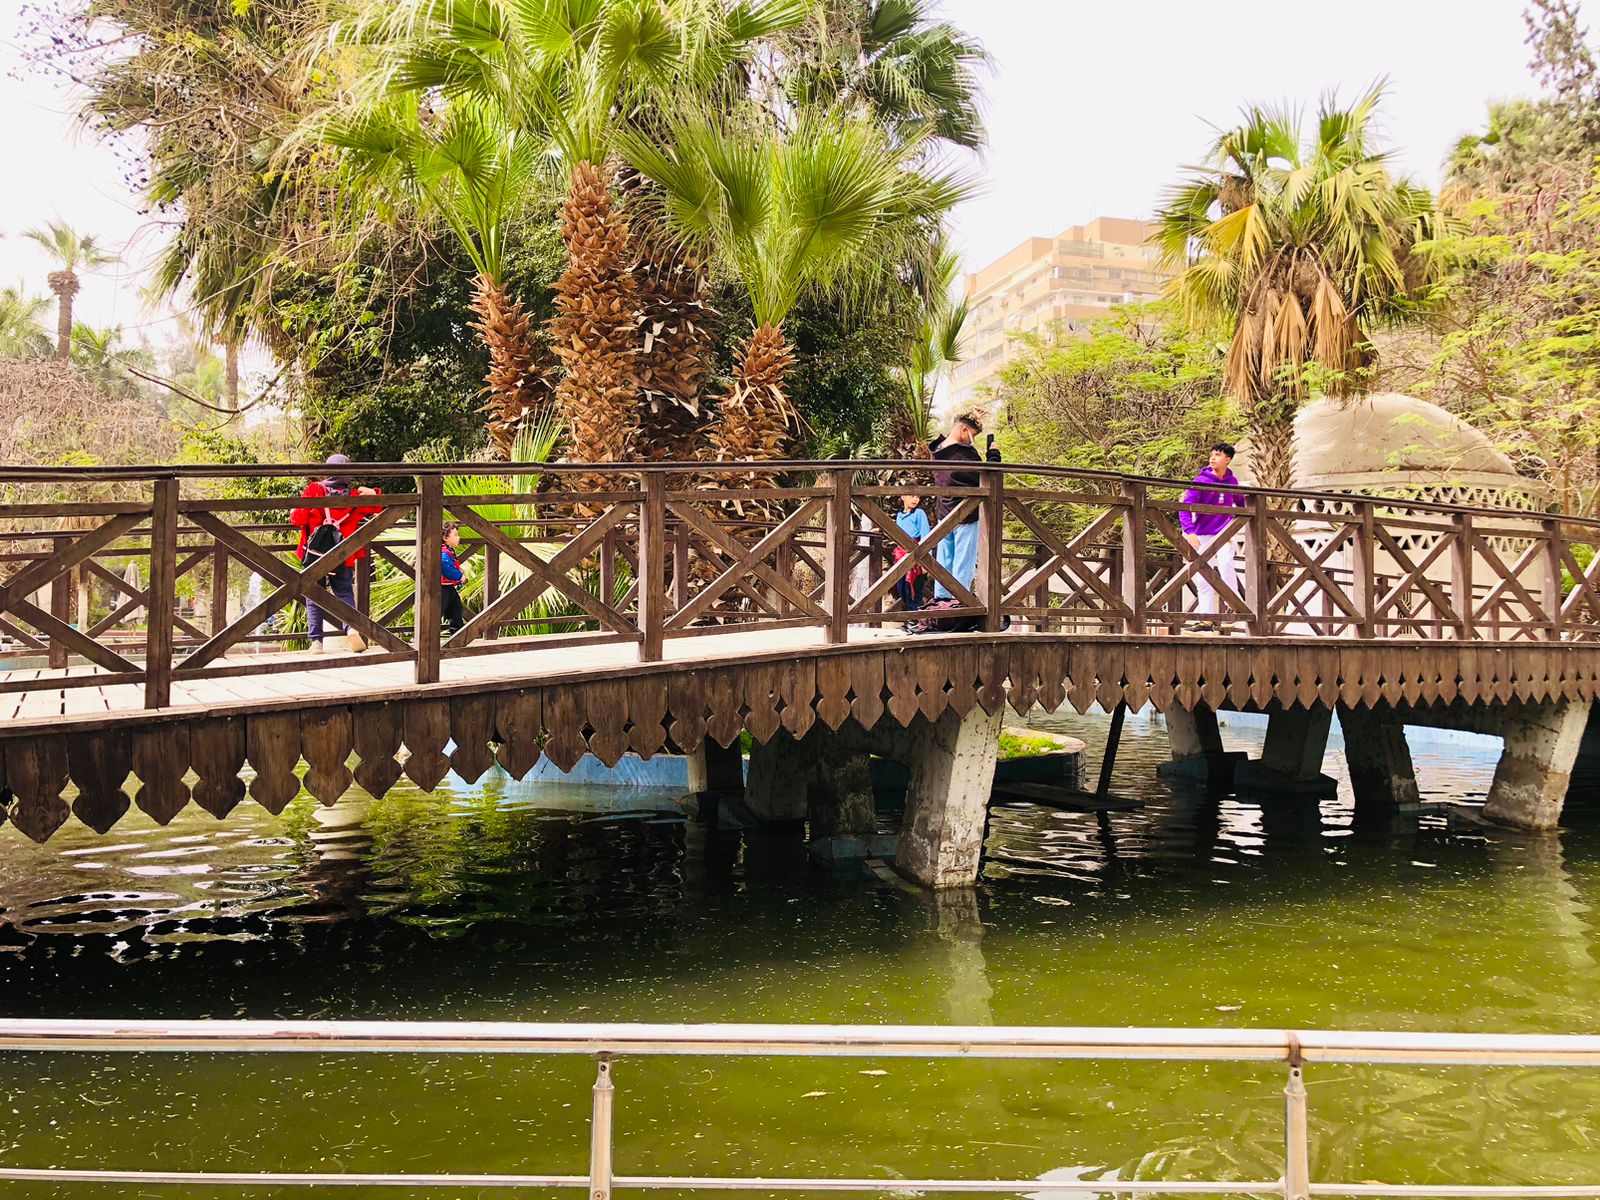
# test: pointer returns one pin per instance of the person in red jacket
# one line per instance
(322, 529)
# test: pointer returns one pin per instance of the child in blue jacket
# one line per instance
(450, 579)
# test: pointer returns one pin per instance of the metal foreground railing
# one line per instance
(609, 1042)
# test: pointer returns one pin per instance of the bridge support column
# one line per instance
(1291, 760)
(780, 770)
(840, 802)
(715, 768)
(947, 801)
(1535, 769)
(1378, 758)
(1197, 753)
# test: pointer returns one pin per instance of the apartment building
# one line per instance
(1073, 278)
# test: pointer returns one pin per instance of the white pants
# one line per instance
(1220, 554)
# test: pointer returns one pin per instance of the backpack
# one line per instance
(325, 536)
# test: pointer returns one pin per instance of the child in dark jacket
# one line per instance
(451, 576)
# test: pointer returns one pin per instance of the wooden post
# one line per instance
(680, 566)
(836, 556)
(430, 535)
(1364, 570)
(219, 589)
(1257, 581)
(1041, 591)
(1550, 579)
(163, 594)
(989, 581)
(608, 567)
(60, 602)
(491, 584)
(363, 588)
(1134, 565)
(652, 566)
(1461, 576)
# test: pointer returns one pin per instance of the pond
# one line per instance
(511, 901)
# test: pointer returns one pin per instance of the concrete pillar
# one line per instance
(780, 772)
(947, 801)
(1378, 758)
(1197, 753)
(716, 768)
(840, 800)
(1535, 769)
(1291, 760)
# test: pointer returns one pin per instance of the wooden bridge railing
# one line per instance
(669, 553)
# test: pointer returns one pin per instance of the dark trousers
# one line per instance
(908, 593)
(342, 583)
(454, 614)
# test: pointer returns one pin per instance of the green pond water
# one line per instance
(508, 901)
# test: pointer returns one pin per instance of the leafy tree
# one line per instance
(1302, 243)
(1139, 394)
(22, 331)
(70, 251)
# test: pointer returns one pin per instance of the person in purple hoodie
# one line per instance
(1204, 530)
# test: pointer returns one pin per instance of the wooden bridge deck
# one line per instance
(683, 611)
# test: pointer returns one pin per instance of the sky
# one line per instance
(1092, 109)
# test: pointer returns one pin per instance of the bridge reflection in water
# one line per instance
(686, 605)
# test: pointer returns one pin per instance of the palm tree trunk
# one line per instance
(516, 390)
(1271, 424)
(676, 346)
(755, 417)
(230, 352)
(65, 285)
(596, 325)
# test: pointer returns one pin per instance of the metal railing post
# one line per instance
(1296, 1142)
(605, 1096)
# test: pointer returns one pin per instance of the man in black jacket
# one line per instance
(958, 552)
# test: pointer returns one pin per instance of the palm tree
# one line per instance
(1301, 245)
(70, 250)
(892, 60)
(22, 332)
(464, 166)
(816, 206)
(570, 73)
(935, 347)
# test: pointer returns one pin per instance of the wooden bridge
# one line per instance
(668, 607)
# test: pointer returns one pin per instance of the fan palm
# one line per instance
(1302, 245)
(889, 59)
(70, 250)
(22, 332)
(935, 347)
(464, 165)
(818, 206)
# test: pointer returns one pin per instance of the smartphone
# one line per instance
(991, 442)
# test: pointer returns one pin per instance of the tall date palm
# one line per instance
(1302, 242)
(70, 252)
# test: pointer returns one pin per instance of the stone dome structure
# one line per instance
(1400, 446)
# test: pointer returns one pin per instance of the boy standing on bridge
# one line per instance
(1203, 531)
(958, 552)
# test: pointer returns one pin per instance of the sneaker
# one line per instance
(357, 642)
(315, 647)
(1203, 627)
